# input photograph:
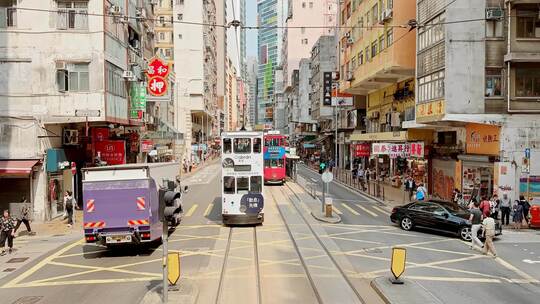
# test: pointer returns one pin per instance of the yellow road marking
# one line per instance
(350, 209)
(336, 210)
(208, 209)
(454, 279)
(511, 267)
(366, 210)
(111, 269)
(40, 264)
(96, 281)
(82, 253)
(381, 210)
(192, 209)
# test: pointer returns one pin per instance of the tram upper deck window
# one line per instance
(256, 184)
(227, 146)
(242, 185)
(242, 145)
(228, 185)
(256, 145)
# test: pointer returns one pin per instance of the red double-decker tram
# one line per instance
(274, 157)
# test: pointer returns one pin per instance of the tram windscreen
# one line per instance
(242, 185)
(228, 184)
(242, 145)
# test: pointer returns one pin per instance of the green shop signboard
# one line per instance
(138, 100)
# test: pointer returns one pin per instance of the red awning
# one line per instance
(18, 168)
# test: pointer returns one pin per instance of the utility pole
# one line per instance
(338, 50)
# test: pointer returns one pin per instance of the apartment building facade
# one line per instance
(70, 104)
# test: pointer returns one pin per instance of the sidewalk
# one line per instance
(198, 168)
(49, 236)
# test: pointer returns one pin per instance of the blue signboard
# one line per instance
(274, 153)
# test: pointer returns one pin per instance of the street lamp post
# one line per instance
(338, 15)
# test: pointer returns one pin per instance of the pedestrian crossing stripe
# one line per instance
(192, 210)
(350, 209)
(336, 210)
(366, 210)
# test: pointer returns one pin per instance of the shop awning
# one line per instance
(17, 168)
(398, 136)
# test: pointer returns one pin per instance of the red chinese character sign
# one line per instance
(111, 151)
(361, 150)
(157, 86)
(157, 75)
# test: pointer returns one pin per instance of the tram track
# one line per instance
(226, 260)
(289, 190)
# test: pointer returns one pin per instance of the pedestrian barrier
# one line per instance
(370, 187)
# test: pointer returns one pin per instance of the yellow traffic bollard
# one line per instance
(397, 266)
(173, 273)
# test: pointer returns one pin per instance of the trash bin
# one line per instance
(535, 215)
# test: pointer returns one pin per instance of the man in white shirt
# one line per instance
(488, 224)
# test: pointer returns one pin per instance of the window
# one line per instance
(367, 54)
(373, 49)
(256, 184)
(360, 58)
(303, 30)
(303, 5)
(242, 185)
(8, 13)
(180, 2)
(375, 14)
(528, 23)
(161, 36)
(389, 37)
(389, 3)
(273, 163)
(116, 84)
(432, 33)
(168, 53)
(528, 81)
(74, 78)
(242, 145)
(311, 5)
(228, 185)
(493, 83)
(494, 28)
(180, 36)
(180, 17)
(256, 145)
(162, 19)
(381, 43)
(353, 64)
(431, 87)
(227, 147)
(72, 15)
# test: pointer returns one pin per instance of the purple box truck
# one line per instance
(126, 203)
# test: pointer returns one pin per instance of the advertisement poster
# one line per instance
(443, 178)
(482, 139)
(112, 151)
(361, 150)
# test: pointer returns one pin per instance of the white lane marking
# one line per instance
(366, 210)
(531, 262)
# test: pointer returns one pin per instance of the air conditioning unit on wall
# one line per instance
(494, 13)
(70, 137)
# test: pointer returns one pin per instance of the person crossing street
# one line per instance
(488, 225)
(505, 209)
(476, 221)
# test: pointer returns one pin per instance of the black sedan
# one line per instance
(436, 215)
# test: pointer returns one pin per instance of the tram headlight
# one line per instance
(243, 208)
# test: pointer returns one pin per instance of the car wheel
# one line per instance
(406, 223)
(465, 233)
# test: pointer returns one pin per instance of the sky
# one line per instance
(251, 35)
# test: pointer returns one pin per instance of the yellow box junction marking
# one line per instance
(208, 209)
(192, 209)
(366, 210)
(350, 209)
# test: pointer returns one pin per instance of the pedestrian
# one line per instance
(68, 203)
(410, 186)
(488, 225)
(505, 209)
(526, 206)
(485, 206)
(7, 232)
(184, 164)
(421, 192)
(190, 165)
(517, 218)
(476, 223)
(456, 195)
(494, 204)
(24, 217)
(471, 203)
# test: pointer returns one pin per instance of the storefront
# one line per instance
(59, 180)
(17, 180)
(444, 177)
(478, 164)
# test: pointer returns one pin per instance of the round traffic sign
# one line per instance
(327, 177)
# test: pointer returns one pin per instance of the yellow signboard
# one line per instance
(173, 268)
(430, 111)
(398, 261)
(482, 139)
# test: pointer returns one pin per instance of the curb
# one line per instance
(331, 220)
(153, 296)
(375, 287)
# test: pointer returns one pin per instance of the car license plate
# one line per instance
(118, 239)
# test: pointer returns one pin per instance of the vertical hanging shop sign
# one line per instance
(138, 101)
(157, 77)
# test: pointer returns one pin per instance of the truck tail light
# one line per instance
(145, 235)
(90, 205)
(141, 203)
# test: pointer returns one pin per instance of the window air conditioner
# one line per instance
(61, 65)
(494, 13)
(114, 10)
(71, 137)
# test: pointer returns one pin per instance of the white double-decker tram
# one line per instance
(242, 170)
